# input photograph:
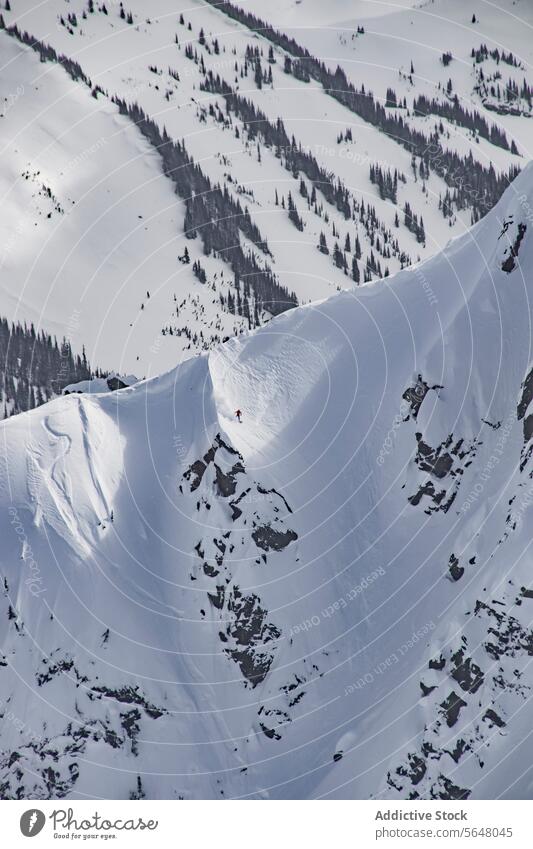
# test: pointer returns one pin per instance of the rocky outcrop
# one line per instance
(414, 395)
(445, 464)
(248, 636)
(509, 263)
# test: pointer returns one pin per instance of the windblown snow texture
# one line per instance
(331, 598)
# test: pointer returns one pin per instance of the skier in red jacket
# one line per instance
(239, 415)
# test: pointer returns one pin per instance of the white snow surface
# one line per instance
(222, 626)
(91, 227)
(100, 384)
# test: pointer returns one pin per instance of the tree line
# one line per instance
(35, 367)
(477, 187)
(211, 212)
(471, 120)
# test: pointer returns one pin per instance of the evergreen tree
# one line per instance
(293, 213)
(34, 368)
(485, 187)
(258, 75)
(338, 256)
(323, 245)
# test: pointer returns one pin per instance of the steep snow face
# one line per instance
(330, 598)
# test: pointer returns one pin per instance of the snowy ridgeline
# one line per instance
(110, 383)
(329, 598)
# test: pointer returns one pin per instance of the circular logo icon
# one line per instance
(32, 822)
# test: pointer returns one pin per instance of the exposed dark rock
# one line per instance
(451, 708)
(432, 460)
(217, 599)
(267, 538)
(455, 570)
(522, 408)
(251, 632)
(467, 673)
(444, 461)
(130, 723)
(526, 397)
(492, 717)
(269, 732)
(415, 770)
(444, 788)
(428, 750)
(459, 749)
(414, 395)
(509, 264)
(274, 492)
(65, 664)
(114, 382)
(248, 636)
(196, 472)
(297, 699)
(50, 768)
(436, 497)
(129, 696)
(507, 637)
(236, 511)
(226, 481)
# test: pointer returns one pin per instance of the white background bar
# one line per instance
(265, 825)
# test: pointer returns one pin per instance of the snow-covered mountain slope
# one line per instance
(396, 34)
(92, 229)
(331, 598)
(96, 216)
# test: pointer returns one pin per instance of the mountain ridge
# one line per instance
(329, 599)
